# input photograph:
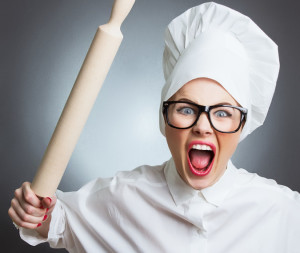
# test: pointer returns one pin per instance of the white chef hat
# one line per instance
(216, 42)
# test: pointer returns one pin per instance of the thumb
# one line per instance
(48, 202)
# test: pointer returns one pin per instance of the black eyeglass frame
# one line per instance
(204, 108)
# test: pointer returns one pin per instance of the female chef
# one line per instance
(221, 70)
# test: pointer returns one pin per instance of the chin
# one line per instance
(199, 183)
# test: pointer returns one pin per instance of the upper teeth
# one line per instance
(201, 147)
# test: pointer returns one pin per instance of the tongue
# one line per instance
(199, 158)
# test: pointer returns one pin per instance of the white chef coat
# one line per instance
(151, 209)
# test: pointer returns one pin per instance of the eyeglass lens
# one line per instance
(183, 115)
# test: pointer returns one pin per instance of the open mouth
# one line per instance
(201, 158)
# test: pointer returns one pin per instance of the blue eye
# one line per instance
(222, 114)
(186, 111)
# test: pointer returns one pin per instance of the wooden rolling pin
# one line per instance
(81, 100)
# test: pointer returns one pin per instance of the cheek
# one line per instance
(175, 139)
(172, 141)
(228, 145)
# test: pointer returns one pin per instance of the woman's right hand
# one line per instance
(29, 211)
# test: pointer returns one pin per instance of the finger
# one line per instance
(18, 221)
(23, 216)
(30, 196)
(49, 202)
(29, 209)
(24, 193)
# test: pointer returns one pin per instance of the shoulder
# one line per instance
(264, 189)
(145, 174)
(133, 184)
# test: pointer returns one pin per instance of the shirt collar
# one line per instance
(215, 194)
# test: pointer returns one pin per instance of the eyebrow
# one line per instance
(191, 101)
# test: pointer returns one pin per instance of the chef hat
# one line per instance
(216, 42)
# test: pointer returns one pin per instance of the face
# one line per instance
(202, 91)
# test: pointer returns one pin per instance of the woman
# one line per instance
(221, 72)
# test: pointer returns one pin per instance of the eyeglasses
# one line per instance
(223, 118)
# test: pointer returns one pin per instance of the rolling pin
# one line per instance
(82, 97)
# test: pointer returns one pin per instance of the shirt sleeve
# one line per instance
(56, 230)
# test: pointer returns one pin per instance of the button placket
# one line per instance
(199, 242)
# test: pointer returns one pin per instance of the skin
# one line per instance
(202, 91)
(29, 211)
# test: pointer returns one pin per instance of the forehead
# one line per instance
(204, 91)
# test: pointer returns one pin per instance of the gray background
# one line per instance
(42, 46)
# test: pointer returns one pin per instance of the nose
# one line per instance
(203, 126)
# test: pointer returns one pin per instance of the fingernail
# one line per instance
(47, 210)
(41, 206)
(45, 217)
(49, 199)
(38, 225)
